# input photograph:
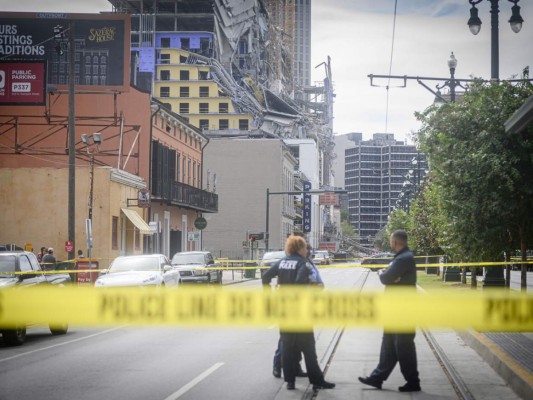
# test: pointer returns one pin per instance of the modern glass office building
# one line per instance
(377, 171)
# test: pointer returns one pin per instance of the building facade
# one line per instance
(343, 142)
(376, 172)
(244, 170)
(302, 43)
(176, 185)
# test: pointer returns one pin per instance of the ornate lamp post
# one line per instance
(451, 83)
(494, 276)
(474, 23)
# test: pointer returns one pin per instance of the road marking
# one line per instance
(60, 344)
(194, 382)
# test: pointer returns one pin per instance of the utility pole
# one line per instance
(71, 142)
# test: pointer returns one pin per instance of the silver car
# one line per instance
(142, 270)
(197, 266)
(270, 258)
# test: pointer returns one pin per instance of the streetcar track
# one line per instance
(453, 376)
(326, 359)
(458, 384)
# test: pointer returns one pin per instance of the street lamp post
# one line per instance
(494, 276)
(451, 83)
(474, 23)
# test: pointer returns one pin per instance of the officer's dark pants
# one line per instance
(293, 344)
(278, 362)
(397, 348)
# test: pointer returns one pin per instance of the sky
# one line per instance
(357, 35)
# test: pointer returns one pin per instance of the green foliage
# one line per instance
(398, 219)
(347, 229)
(480, 196)
(426, 221)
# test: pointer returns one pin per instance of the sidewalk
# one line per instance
(358, 352)
(493, 366)
(509, 354)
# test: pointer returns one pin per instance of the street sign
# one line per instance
(143, 198)
(193, 236)
(200, 223)
(307, 207)
(69, 247)
(89, 233)
(256, 236)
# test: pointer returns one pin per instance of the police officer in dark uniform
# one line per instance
(397, 347)
(295, 269)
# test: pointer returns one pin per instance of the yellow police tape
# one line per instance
(292, 308)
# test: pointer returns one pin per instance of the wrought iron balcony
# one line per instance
(183, 195)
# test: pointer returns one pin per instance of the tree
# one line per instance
(482, 174)
(425, 221)
(398, 219)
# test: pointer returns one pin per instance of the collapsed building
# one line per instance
(230, 68)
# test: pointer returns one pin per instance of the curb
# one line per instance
(518, 378)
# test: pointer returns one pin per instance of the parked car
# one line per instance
(197, 266)
(321, 257)
(141, 270)
(270, 258)
(12, 262)
(10, 247)
(380, 258)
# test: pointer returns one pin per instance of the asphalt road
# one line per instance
(151, 363)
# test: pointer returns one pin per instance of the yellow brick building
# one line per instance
(192, 93)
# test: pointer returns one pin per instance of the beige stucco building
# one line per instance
(39, 217)
(244, 170)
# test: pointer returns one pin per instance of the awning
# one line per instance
(137, 220)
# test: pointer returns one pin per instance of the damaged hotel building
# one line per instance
(239, 70)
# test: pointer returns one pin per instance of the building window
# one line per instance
(223, 124)
(203, 75)
(165, 59)
(204, 108)
(114, 233)
(243, 124)
(184, 108)
(188, 172)
(223, 108)
(184, 75)
(204, 91)
(205, 44)
(194, 173)
(199, 176)
(183, 163)
(184, 91)
(164, 91)
(165, 42)
(185, 43)
(177, 177)
(165, 75)
(183, 59)
(243, 46)
(204, 124)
